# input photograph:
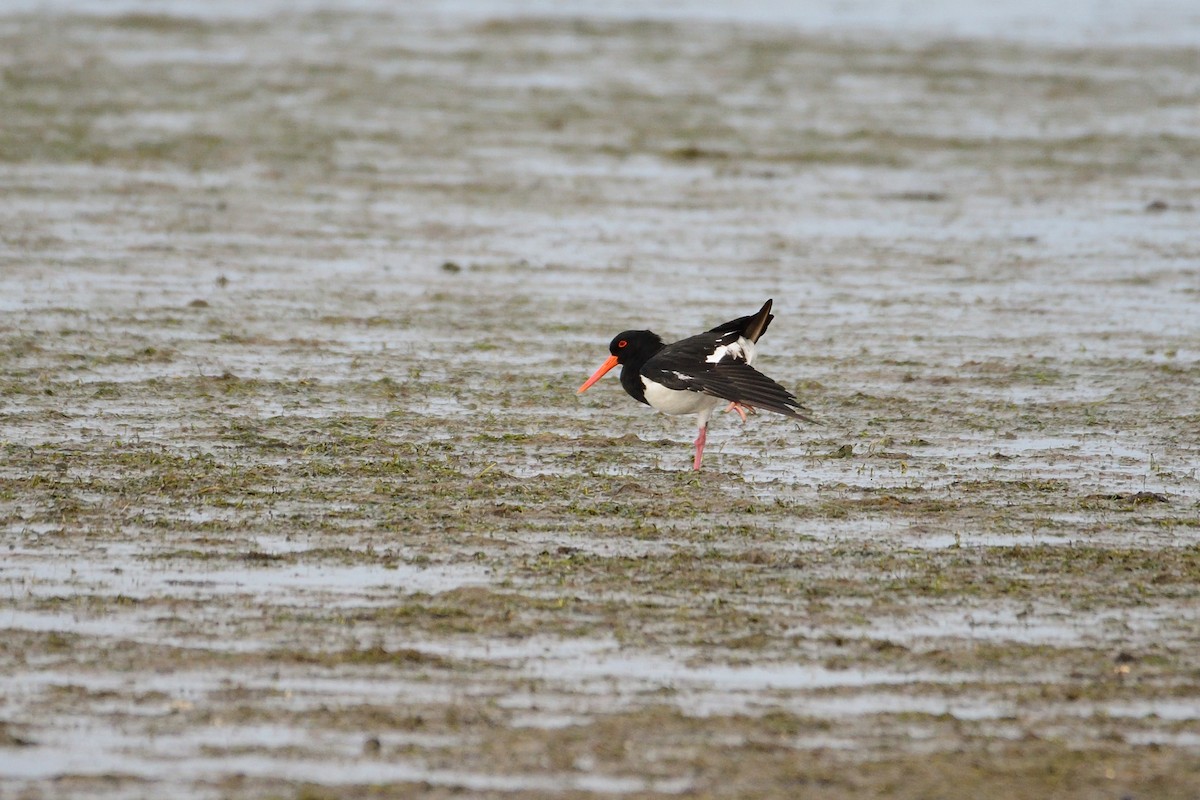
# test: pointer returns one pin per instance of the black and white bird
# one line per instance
(697, 374)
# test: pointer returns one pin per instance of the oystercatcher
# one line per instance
(694, 375)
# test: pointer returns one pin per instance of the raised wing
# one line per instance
(716, 364)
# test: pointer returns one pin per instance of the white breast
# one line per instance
(674, 401)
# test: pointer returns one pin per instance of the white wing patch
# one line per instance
(741, 350)
(682, 377)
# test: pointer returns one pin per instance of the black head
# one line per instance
(630, 349)
(634, 348)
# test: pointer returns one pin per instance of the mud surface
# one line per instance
(298, 500)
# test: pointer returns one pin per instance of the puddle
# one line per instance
(653, 673)
(95, 752)
(281, 582)
(1056, 627)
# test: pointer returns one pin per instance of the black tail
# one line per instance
(752, 327)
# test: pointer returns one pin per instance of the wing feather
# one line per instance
(735, 381)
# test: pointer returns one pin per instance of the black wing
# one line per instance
(685, 365)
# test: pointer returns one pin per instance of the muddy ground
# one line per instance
(298, 500)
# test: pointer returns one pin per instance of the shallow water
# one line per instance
(297, 496)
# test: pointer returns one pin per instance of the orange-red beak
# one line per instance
(598, 374)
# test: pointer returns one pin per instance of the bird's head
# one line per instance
(628, 348)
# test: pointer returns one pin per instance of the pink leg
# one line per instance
(700, 437)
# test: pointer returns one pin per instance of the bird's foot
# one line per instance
(742, 410)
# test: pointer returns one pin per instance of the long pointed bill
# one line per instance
(598, 374)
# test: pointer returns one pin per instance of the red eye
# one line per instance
(622, 343)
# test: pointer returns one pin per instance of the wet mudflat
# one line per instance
(298, 500)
